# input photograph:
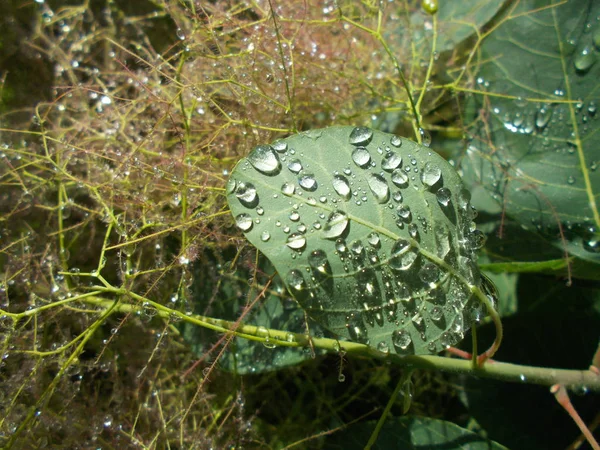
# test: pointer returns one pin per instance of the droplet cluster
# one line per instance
(373, 234)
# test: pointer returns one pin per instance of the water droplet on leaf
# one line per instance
(430, 174)
(342, 187)
(391, 161)
(264, 159)
(308, 182)
(399, 178)
(244, 222)
(361, 136)
(361, 157)
(296, 241)
(379, 188)
(336, 225)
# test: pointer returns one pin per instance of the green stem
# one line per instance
(515, 373)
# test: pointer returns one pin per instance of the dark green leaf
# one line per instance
(408, 433)
(536, 140)
(559, 327)
(372, 234)
(227, 296)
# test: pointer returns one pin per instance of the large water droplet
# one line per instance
(585, 59)
(265, 236)
(308, 182)
(361, 157)
(265, 160)
(399, 178)
(475, 240)
(430, 174)
(379, 188)
(436, 313)
(342, 187)
(443, 196)
(391, 161)
(429, 273)
(401, 340)
(296, 241)
(336, 225)
(244, 222)
(396, 141)
(425, 137)
(246, 194)
(361, 136)
(404, 213)
(374, 240)
(231, 185)
(279, 146)
(295, 166)
(319, 263)
(287, 189)
(295, 280)
(400, 247)
(542, 117)
(356, 329)
(404, 261)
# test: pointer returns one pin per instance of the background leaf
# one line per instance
(412, 433)
(227, 295)
(535, 142)
(372, 233)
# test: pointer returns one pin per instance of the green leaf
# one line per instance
(227, 296)
(412, 433)
(536, 139)
(371, 233)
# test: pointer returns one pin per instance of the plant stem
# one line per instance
(515, 373)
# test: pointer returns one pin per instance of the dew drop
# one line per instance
(356, 329)
(425, 137)
(319, 263)
(336, 225)
(295, 280)
(383, 347)
(379, 188)
(430, 174)
(295, 166)
(542, 117)
(436, 313)
(288, 189)
(571, 179)
(397, 196)
(279, 146)
(391, 161)
(443, 196)
(399, 178)
(413, 230)
(361, 136)
(357, 248)
(401, 340)
(246, 194)
(342, 187)
(231, 185)
(244, 222)
(265, 236)
(404, 213)
(585, 59)
(374, 240)
(308, 182)
(296, 241)
(294, 216)
(429, 273)
(264, 159)
(340, 246)
(361, 157)
(396, 141)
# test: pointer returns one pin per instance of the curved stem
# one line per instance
(571, 379)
